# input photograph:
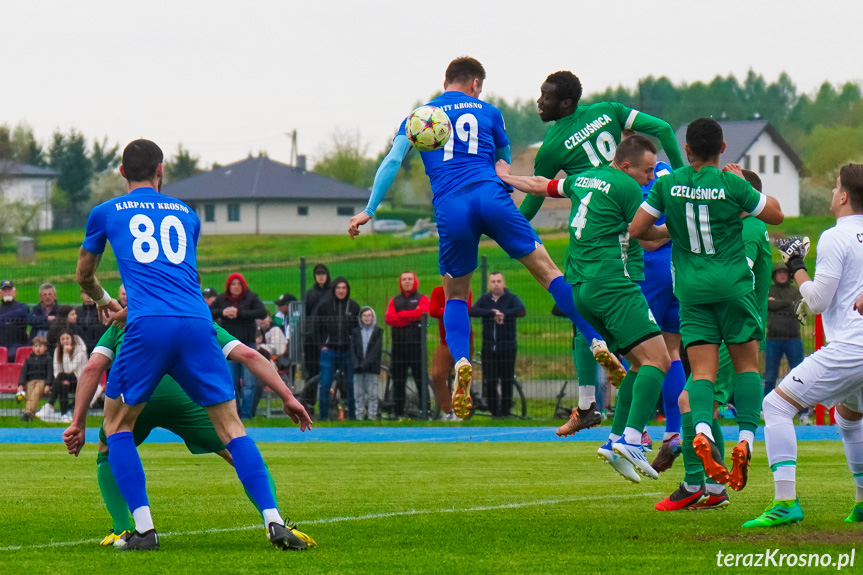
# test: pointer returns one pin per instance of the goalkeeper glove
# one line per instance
(793, 250)
(802, 310)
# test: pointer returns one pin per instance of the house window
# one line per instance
(302, 210)
(344, 211)
(747, 162)
(209, 213)
(233, 212)
(762, 164)
(775, 164)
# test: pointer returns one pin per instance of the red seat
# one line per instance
(23, 353)
(9, 374)
(4, 355)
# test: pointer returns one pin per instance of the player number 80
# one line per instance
(145, 238)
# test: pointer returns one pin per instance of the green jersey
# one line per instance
(604, 201)
(588, 138)
(702, 211)
(109, 346)
(756, 244)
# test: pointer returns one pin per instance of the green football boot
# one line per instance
(780, 513)
(856, 514)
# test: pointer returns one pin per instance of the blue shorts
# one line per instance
(483, 208)
(183, 347)
(658, 290)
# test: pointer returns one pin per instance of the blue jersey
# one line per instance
(468, 156)
(153, 238)
(660, 170)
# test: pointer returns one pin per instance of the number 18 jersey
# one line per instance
(468, 156)
(153, 238)
(702, 212)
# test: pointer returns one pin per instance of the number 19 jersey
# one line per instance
(468, 157)
(702, 212)
(153, 238)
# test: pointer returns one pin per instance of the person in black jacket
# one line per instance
(783, 328)
(498, 309)
(336, 315)
(405, 316)
(238, 308)
(366, 342)
(44, 312)
(89, 325)
(13, 320)
(36, 377)
(311, 349)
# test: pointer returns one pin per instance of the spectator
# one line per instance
(36, 375)
(210, 296)
(237, 309)
(70, 357)
(311, 349)
(442, 362)
(366, 342)
(783, 329)
(66, 320)
(335, 317)
(270, 340)
(43, 313)
(404, 315)
(121, 295)
(13, 320)
(498, 309)
(281, 318)
(89, 325)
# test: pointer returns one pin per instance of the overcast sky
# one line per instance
(227, 78)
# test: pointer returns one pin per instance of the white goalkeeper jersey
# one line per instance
(840, 256)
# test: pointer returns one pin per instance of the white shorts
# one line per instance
(831, 375)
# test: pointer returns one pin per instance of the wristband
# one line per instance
(105, 299)
(552, 189)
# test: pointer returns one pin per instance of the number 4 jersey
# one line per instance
(702, 211)
(468, 156)
(153, 238)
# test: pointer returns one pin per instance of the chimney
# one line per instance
(301, 163)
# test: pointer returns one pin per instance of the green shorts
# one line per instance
(178, 414)
(618, 311)
(732, 321)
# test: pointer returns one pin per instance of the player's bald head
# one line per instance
(141, 158)
(851, 181)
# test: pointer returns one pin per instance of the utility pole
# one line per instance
(293, 136)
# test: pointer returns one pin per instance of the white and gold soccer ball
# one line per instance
(428, 128)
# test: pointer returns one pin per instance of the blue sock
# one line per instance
(457, 324)
(127, 469)
(562, 294)
(252, 471)
(672, 387)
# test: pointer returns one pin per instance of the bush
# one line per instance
(814, 199)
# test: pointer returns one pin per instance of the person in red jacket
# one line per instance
(442, 363)
(404, 315)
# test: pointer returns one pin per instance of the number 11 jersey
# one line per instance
(468, 157)
(153, 238)
(702, 212)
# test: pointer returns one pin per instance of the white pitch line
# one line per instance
(354, 518)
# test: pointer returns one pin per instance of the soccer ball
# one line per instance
(428, 128)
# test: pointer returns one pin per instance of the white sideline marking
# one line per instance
(354, 518)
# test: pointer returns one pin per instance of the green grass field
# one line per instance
(410, 508)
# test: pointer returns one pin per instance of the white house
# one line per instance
(29, 185)
(260, 196)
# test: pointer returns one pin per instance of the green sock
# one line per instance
(748, 394)
(117, 506)
(272, 489)
(718, 438)
(691, 463)
(645, 394)
(701, 401)
(585, 364)
(624, 402)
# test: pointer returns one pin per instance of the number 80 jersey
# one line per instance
(468, 157)
(153, 238)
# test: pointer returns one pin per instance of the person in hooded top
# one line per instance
(404, 316)
(335, 318)
(366, 341)
(311, 349)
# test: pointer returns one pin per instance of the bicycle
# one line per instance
(339, 409)
(413, 400)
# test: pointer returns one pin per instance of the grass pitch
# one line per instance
(409, 508)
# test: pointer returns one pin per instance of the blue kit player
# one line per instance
(469, 201)
(658, 290)
(169, 331)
